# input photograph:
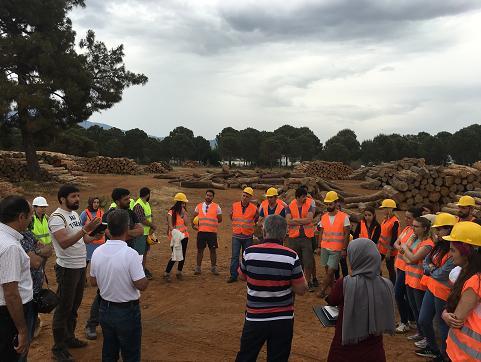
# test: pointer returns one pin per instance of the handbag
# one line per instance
(46, 300)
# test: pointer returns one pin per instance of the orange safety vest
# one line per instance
(415, 272)
(440, 289)
(464, 344)
(179, 225)
(386, 234)
(333, 234)
(243, 222)
(364, 233)
(407, 232)
(90, 217)
(208, 222)
(294, 230)
(281, 205)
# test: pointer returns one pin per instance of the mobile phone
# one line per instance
(102, 227)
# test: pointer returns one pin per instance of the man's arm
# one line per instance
(66, 239)
(138, 230)
(93, 281)
(141, 284)
(15, 309)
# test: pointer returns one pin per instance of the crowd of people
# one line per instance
(433, 265)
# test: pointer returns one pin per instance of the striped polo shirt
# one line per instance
(270, 270)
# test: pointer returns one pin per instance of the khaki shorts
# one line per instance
(303, 248)
(330, 258)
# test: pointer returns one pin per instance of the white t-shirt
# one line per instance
(204, 208)
(347, 222)
(116, 267)
(73, 257)
(14, 264)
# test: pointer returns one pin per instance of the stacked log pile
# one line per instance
(103, 165)
(324, 169)
(190, 164)
(7, 188)
(158, 167)
(414, 183)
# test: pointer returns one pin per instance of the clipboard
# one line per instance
(326, 315)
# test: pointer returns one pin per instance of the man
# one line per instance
(118, 272)
(121, 197)
(68, 238)
(15, 281)
(209, 216)
(334, 228)
(270, 294)
(243, 216)
(144, 213)
(299, 217)
(39, 226)
(466, 208)
(271, 205)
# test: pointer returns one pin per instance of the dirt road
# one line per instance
(199, 318)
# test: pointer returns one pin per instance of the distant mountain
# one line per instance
(88, 124)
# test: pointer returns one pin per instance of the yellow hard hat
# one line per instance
(444, 219)
(466, 201)
(271, 192)
(180, 197)
(331, 196)
(388, 203)
(152, 239)
(249, 191)
(195, 221)
(466, 232)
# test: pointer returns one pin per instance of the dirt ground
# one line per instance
(199, 318)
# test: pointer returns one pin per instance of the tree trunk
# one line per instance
(33, 167)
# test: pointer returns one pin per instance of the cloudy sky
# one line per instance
(370, 65)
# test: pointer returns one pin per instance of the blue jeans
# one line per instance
(237, 245)
(122, 331)
(415, 299)
(401, 298)
(433, 307)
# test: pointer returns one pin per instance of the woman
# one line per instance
(405, 313)
(389, 235)
(366, 307)
(177, 219)
(368, 228)
(463, 311)
(92, 211)
(414, 252)
(437, 265)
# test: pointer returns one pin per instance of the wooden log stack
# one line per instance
(103, 165)
(416, 183)
(324, 169)
(158, 167)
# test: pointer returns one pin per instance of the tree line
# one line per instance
(254, 147)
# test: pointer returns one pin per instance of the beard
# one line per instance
(73, 206)
(331, 209)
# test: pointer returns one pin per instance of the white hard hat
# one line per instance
(39, 201)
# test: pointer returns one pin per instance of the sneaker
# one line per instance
(91, 332)
(423, 343)
(62, 355)
(76, 343)
(315, 282)
(231, 280)
(214, 270)
(197, 270)
(415, 337)
(179, 275)
(38, 327)
(402, 328)
(310, 287)
(148, 274)
(412, 325)
(427, 352)
(166, 277)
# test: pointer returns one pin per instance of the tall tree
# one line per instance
(228, 144)
(45, 81)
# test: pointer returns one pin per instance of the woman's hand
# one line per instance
(451, 320)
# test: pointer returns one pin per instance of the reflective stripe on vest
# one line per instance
(414, 272)
(400, 263)
(243, 222)
(364, 232)
(40, 230)
(386, 236)
(99, 214)
(179, 225)
(460, 344)
(333, 234)
(280, 205)
(208, 222)
(147, 212)
(294, 230)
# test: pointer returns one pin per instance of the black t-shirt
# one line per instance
(133, 219)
